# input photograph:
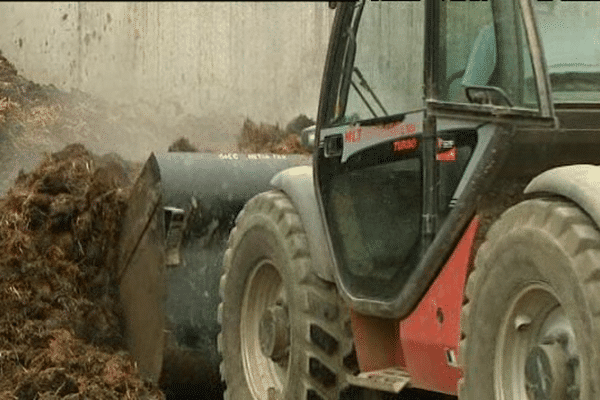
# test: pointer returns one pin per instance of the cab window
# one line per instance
(485, 47)
(571, 40)
(382, 67)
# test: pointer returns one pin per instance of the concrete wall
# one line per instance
(262, 60)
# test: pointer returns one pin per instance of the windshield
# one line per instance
(571, 38)
(381, 67)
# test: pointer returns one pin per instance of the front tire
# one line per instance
(531, 322)
(284, 332)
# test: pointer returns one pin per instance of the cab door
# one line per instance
(370, 158)
(417, 96)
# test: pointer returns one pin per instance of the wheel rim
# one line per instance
(537, 356)
(265, 377)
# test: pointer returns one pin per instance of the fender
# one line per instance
(298, 184)
(580, 183)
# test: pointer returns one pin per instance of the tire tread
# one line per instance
(569, 226)
(314, 295)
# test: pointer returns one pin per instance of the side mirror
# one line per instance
(489, 95)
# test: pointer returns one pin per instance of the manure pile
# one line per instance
(61, 326)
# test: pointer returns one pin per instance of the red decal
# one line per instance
(406, 144)
(397, 129)
(392, 130)
(353, 136)
(447, 150)
(448, 155)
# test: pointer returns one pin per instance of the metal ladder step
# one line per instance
(391, 380)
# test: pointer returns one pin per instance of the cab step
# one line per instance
(391, 380)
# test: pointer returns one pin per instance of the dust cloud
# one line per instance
(37, 119)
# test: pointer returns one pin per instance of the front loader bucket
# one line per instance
(142, 272)
(201, 194)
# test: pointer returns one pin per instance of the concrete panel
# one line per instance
(262, 60)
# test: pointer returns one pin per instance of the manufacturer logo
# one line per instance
(353, 136)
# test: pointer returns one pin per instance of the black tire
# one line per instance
(268, 261)
(531, 321)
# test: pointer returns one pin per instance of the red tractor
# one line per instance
(446, 237)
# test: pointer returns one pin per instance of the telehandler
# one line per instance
(446, 237)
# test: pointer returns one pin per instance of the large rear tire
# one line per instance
(531, 322)
(285, 333)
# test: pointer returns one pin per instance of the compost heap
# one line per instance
(260, 138)
(61, 326)
(266, 138)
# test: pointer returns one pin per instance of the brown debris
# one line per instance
(298, 124)
(182, 145)
(61, 326)
(20, 91)
(504, 194)
(8, 71)
(265, 138)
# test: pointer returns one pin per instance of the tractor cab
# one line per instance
(415, 95)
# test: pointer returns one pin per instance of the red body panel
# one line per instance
(425, 344)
